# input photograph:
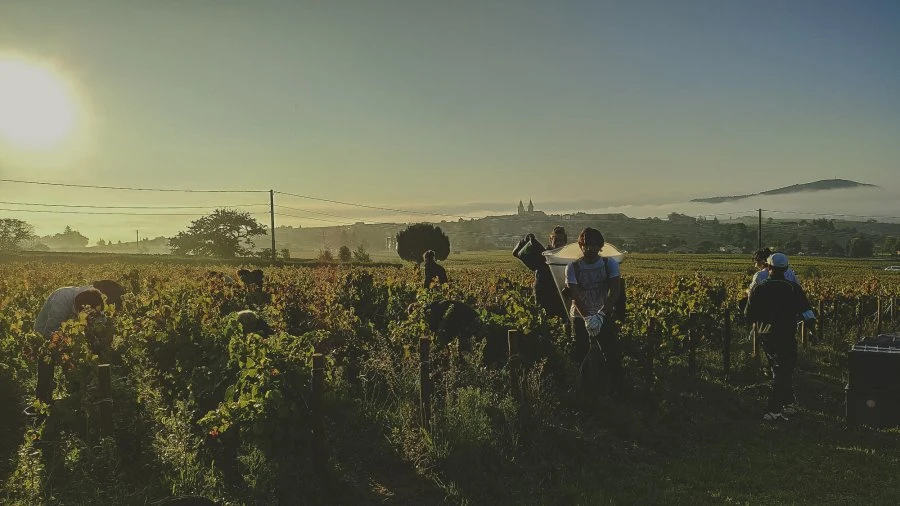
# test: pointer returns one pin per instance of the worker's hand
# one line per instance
(594, 323)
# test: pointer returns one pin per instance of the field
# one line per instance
(201, 409)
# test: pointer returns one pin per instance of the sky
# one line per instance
(460, 108)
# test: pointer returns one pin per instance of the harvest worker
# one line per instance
(594, 286)
(762, 269)
(529, 251)
(252, 323)
(65, 304)
(434, 272)
(774, 306)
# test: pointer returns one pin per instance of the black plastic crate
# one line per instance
(873, 407)
(874, 363)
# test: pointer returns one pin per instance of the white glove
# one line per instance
(594, 323)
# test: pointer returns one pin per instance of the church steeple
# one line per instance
(521, 210)
(530, 207)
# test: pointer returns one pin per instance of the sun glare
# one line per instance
(37, 111)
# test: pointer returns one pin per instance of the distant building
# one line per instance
(522, 211)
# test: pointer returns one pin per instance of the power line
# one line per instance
(97, 213)
(406, 211)
(831, 214)
(128, 207)
(68, 185)
(316, 212)
(311, 218)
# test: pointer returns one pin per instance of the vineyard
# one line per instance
(198, 408)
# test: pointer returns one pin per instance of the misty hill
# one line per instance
(821, 185)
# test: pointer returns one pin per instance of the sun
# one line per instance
(37, 109)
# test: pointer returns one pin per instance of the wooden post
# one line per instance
(893, 304)
(425, 381)
(878, 317)
(652, 343)
(319, 457)
(105, 404)
(726, 344)
(754, 339)
(692, 338)
(820, 323)
(859, 318)
(514, 363)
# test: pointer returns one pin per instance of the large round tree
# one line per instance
(419, 238)
(226, 233)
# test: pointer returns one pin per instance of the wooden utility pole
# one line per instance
(759, 231)
(272, 218)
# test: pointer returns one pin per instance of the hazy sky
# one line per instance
(463, 107)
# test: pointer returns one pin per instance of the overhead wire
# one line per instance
(311, 218)
(128, 188)
(379, 208)
(831, 214)
(129, 207)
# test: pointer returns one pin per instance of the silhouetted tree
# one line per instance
(833, 249)
(226, 233)
(419, 238)
(860, 247)
(12, 232)
(68, 239)
(344, 254)
(814, 245)
(792, 247)
(361, 255)
(890, 245)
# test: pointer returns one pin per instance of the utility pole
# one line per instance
(272, 217)
(759, 231)
(137, 240)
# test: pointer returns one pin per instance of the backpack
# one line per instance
(619, 312)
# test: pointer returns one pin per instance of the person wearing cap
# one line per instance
(544, 287)
(65, 304)
(762, 270)
(773, 306)
(594, 285)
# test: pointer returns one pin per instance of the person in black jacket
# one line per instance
(545, 292)
(774, 306)
(434, 272)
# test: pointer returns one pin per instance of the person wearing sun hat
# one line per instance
(773, 306)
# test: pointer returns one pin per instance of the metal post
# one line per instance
(514, 362)
(319, 458)
(425, 381)
(652, 343)
(105, 404)
(878, 317)
(692, 345)
(726, 344)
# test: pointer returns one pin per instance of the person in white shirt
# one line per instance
(594, 285)
(762, 269)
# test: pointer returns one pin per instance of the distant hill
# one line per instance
(821, 185)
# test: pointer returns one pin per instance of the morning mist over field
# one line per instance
(459, 110)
